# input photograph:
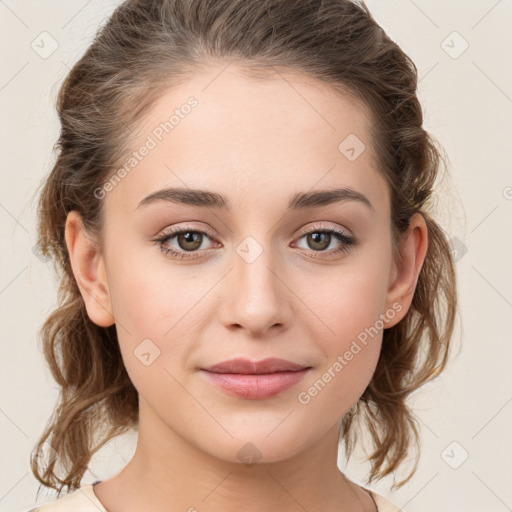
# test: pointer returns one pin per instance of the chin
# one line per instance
(256, 447)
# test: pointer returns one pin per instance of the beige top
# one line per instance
(84, 500)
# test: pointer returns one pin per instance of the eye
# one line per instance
(187, 242)
(319, 239)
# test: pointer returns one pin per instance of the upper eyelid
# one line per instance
(170, 231)
(323, 227)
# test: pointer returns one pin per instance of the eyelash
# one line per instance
(347, 241)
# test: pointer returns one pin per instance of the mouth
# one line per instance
(247, 367)
(255, 380)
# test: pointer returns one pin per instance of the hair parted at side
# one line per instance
(147, 46)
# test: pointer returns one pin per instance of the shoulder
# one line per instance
(383, 505)
(80, 500)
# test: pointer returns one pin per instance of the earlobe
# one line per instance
(407, 267)
(88, 267)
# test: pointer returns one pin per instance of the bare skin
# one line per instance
(256, 142)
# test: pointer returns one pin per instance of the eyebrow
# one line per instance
(207, 199)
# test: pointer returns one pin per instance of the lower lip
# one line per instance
(256, 386)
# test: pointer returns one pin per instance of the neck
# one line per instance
(167, 473)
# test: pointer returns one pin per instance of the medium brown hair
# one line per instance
(147, 46)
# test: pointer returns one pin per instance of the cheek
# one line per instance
(147, 312)
(149, 294)
(347, 328)
(350, 347)
(159, 310)
(349, 300)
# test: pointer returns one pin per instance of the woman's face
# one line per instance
(252, 277)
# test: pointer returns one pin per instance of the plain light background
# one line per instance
(463, 53)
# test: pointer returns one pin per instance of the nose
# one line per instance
(255, 295)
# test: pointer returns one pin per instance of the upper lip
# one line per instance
(241, 365)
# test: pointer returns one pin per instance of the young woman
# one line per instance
(249, 270)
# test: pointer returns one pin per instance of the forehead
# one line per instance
(225, 131)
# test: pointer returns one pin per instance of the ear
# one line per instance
(406, 268)
(89, 270)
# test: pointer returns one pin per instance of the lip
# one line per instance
(245, 366)
(256, 380)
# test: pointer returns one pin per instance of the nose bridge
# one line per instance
(256, 298)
